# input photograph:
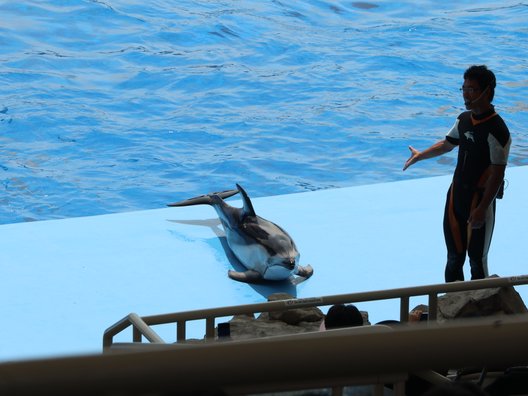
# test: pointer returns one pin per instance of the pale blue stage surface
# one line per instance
(67, 280)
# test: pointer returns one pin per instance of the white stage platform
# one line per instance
(65, 281)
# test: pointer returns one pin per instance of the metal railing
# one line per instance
(142, 325)
(313, 360)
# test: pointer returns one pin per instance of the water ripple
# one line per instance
(110, 106)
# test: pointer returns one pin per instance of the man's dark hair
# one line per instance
(483, 76)
(341, 315)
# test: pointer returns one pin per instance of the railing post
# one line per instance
(404, 309)
(433, 306)
(180, 330)
(209, 327)
(108, 340)
(136, 334)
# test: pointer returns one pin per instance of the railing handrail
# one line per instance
(210, 314)
(138, 324)
(377, 295)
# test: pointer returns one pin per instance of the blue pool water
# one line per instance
(119, 105)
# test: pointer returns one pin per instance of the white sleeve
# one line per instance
(498, 152)
(453, 132)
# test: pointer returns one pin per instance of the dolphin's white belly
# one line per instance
(252, 256)
(255, 257)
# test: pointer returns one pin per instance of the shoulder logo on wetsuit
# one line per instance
(469, 136)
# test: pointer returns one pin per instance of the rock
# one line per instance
(485, 302)
(245, 327)
(293, 316)
(296, 320)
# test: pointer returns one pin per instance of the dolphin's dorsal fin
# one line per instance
(248, 206)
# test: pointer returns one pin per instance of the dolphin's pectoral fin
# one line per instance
(302, 273)
(248, 276)
(305, 272)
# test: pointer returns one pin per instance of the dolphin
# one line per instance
(264, 248)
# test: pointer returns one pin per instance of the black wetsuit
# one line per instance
(482, 141)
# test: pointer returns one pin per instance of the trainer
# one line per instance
(483, 141)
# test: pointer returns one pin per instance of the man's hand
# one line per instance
(477, 218)
(439, 148)
(413, 158)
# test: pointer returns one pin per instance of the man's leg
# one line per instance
(454, 267)
(455, 239)
(479, 246)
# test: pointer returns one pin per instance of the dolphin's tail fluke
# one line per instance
(204, 199)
